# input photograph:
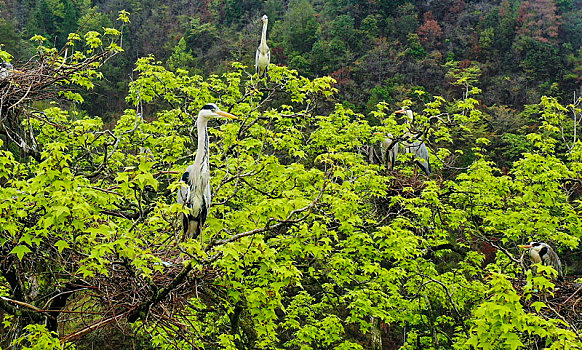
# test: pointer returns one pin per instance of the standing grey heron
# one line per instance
(195, 193)
(7, 69)
(390, 148)
(540, 252)
(263, 56)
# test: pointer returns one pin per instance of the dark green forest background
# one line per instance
(376, 50)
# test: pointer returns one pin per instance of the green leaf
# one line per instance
(62, 244)
(512, 340)
(20, 250)
(538, 305)
(146, 179)
(38, 38)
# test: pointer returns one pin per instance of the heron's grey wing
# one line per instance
(183, 194)
(184, 190)
(550, 258)
(422, 153)
(383, 154)
(546, 255)
(182, 198)
(389, 152)
(394, 155)
(206, 198)
(257, 59)
(268, 59)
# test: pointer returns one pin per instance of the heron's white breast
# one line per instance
(263, 59)
(535, 257)
(200, 191)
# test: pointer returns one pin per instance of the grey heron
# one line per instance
(7, 69)
(263, 56)
(390, 148)
(540, 252)
(195, 194)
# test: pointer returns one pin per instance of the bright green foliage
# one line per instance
(306, 242)
(36, 337)
(502, 323)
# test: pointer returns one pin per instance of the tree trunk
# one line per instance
(376, 334)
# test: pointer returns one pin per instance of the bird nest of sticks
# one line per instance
(43, 77)
(124, 296)
(564, 303)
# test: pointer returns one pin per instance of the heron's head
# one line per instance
(407, 112)
(535, 246)
(5, 66)
(210, 110)
(265, 19)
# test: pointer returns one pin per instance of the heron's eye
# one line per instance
(536, 244)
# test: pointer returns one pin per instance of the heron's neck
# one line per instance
(264, 35)
(202, 152)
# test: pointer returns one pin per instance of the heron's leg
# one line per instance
(184, 219)
(251, 76)
(191, 229)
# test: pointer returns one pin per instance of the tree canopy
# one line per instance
(309, 242)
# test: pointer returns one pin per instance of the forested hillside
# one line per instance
(389, 184)
(376, 50)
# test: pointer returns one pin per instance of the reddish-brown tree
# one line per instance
(539, 19)
(430, 31)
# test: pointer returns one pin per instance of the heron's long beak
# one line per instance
(17, 71)
(524, 246)
(227, 115)
(402, 111)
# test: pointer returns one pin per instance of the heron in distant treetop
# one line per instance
(390, 148)
(540, 252)
(7, 70)
(195, 194)
(263, 56)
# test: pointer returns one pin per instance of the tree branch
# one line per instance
(279, 223)
(35, 314)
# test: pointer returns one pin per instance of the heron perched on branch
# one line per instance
(391, 148)
(540, 252)
(7, 70)
(263, 56)
(195, 193)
